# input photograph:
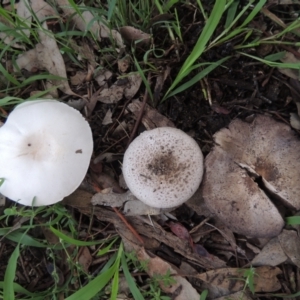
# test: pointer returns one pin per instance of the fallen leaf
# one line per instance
(124, 63)
(180, 231)
(290, 243)
(290, 59)
(136, 207)
(181, 289)
(28, 61)
(271, 254)
(107, 118)
(78, 78)
(85, 258)
(133, 85)
(231, 280)
(108, 198)
(98, 28)
(295, 121)
(25, 15)
(102, 77)
(151, 117)
(50, 58)
(131, 34)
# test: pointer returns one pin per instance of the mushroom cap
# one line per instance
(45, 151)
(251, 165)
(163, 167)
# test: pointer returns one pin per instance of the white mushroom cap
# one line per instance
(163, 167)
(45, 150)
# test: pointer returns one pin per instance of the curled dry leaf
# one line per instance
(50, 58)
(131, 35)
(245, 153)
(181, 289)
(151, 117)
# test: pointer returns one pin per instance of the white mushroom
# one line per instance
(163, 167)
(45, 150)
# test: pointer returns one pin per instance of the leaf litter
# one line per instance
(218, 256)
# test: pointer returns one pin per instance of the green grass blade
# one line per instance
(27, 240)
(254, 12)
(204, 295)
(9, 277)
(197, 77)
(97, 284)
(198, 49)
(72, 241)
(206, 34)
(115, 284)
(20, 290)
(129, 279)
(146, 83)
(295, 220)
(111, 8)
(231, 13)
(94, 286)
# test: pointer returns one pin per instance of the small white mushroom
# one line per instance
(45, 150)
(163, 167)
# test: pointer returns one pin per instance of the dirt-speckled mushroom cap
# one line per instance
(251, 165)
(163, 167)
(45, 150)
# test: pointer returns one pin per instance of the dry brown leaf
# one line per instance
(85, 258)
(84, 51)
(25, 15)
(42, 9)
(131, 34)
(138, 208)
(78, 78)
(124, 63)
(108, 198)
(126, 86)
(151, 117)
(133, 85)
(271, 255)
(5, 37)
(111, 95)
(230, 280)
(50, 58)
(107, 118)
(28, 60)
(295, 121)
(290, 243)
(291, 59)
(103, 76)
(100, 30)
(181, 290)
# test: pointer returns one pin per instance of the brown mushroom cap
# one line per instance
(266, 150)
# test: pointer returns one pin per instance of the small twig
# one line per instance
(138, 120)
(135, 233)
